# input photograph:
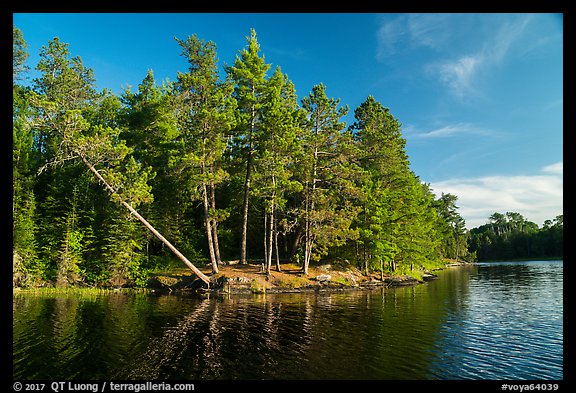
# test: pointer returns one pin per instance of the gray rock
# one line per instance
(323, 277)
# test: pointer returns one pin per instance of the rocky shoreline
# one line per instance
(250, 279)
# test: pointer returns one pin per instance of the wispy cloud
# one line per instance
(461, 73)
(450, 130)
(389, 35)
(410, 31)
(465, 46)
(537, 197)
(429, 29)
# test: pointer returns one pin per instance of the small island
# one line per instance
(109, 188)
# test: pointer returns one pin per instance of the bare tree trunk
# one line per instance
(215, 224)
(265, 238)
(271, 226)
(270, 239)
(310, 209)
(215, 242)
(194, 269)
(208, 223)
(306, 230)
(276, 242)
(364, 246)
(245, 207)
(247, 184)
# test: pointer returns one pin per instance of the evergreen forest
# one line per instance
(510, 236)
(210, 169)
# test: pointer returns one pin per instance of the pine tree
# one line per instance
(326, 215)
(63, 91)
(249, 75)
(150, 127)
(276, 154)
(205, 116)
(452, 227)
(26, 267)
(418, 239)
(19, 54)
(393, 223)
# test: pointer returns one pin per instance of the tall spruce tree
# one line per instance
(276, 154)
(249, 75)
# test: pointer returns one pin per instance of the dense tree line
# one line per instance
(222, 169)
(511, 236)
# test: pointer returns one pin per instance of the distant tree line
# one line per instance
(221, 169)
(511, 236)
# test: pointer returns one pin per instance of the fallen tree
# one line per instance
(133, 211)
(65, 133)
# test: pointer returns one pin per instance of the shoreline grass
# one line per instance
(76, 291)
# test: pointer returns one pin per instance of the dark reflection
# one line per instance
(441, 329)
(507, 273)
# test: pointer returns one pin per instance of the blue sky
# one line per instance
(479, 96)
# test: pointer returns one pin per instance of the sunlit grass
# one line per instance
(74, 291)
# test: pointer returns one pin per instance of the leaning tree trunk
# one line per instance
(194, 269)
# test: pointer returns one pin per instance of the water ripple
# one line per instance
(512, 326)
(502, 321)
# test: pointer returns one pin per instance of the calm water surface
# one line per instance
(489, 321)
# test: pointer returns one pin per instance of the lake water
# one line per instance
(483, 322)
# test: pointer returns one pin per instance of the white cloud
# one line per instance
(411, 30)
(461, 73)
(557, 168)
(429, 29)
(449, 131)
(508, 33)
(537, 197)
(389, 35)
